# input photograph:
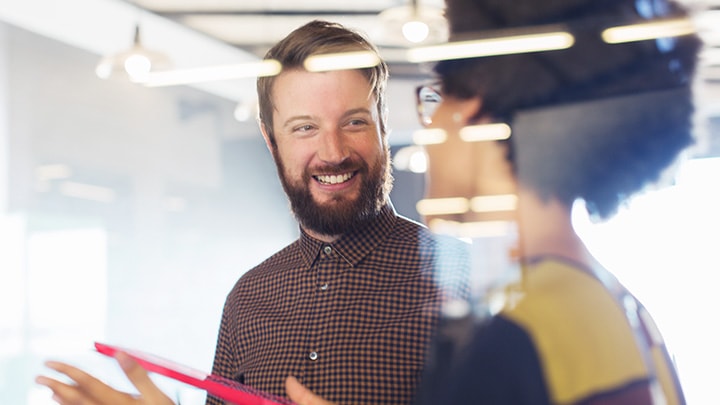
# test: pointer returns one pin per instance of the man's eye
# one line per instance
(357, 122)
(304, 128)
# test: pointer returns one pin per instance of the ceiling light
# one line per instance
(429, 136)
(175, 204)
(485, 132)
(87, 191)
(341, 61)
(710, 57)
(492, 47)
(491, 203)
(245, 109)
(461, 205)
(443, 206)
(415, 31)
(136, 63)
(176, 77)
(52, 172)
(646, 31)
(470, 133)
(411, 24)
(472, 230)
(411, 158)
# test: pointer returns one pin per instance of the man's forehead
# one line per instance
(298, 88)
(303, 77)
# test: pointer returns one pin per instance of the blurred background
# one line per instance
(128, 209)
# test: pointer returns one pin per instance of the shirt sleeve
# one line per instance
(226, 350)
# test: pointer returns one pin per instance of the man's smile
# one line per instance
(334, 178)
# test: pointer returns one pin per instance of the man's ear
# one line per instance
(264, 131)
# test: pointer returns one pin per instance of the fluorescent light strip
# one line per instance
(471, 133)
(52, 172)
(485, 229)
(461, 205)
(485, 132)
(87, 191)
(478, 229)
(341, 61)
(705, 23)
(175, 204)
(443, 206)
(213, 73)
(429, 136)
(494, 203)
(650, 30)
(492, 47)
(711, 57)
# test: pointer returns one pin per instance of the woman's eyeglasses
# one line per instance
(428, 98)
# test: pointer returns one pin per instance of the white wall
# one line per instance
(4, 135)
(190, 202)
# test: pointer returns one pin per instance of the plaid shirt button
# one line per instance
(313, 356)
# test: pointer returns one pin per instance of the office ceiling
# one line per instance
(198, 33)
(194, 33)
(254, 25)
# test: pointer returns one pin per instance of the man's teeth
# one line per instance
(334, 179)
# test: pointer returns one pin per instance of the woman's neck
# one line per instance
(545, 229)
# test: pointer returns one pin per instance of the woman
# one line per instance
(596, 122)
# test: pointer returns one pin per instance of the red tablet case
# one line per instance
(220, 387)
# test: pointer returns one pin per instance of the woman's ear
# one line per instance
(466, 111)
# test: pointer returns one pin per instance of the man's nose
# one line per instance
(333, 147)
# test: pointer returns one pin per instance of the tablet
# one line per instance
(217, 386)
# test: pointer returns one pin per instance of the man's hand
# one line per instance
(301, 395)
(87, 389)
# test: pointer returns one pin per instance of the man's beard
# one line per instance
(340, 214)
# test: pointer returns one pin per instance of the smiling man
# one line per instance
(349, 308)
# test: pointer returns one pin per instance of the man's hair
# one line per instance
(316, 38)
(638, 142)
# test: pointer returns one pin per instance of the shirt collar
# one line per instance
(356, 244)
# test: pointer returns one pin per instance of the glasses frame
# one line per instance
(428, 97)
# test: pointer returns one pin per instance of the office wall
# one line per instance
(129, 213)
(4, 138)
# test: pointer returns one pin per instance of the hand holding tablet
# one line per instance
(220, 387)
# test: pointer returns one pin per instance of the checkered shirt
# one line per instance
(352, 320)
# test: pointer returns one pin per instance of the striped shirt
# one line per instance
(352, 319)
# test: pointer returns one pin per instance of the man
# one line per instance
(349, 308)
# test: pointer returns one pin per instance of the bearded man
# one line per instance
(350, 307)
